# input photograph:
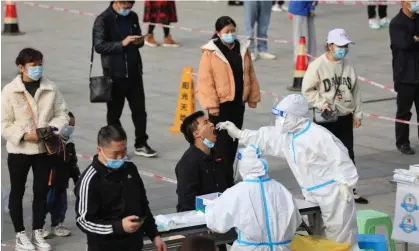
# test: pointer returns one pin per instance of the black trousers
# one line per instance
(132, 89)
(382, 11)
(19, 165)
(166, 30)
(407, 94)
(234, 112)
(343, 130)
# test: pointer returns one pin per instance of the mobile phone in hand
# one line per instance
(326, 114)
(140, 219)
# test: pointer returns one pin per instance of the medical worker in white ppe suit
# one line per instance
(318, 160)
(262, 211)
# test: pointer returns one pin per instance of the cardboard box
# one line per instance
(202, 201)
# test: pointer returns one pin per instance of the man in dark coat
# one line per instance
(404, 37)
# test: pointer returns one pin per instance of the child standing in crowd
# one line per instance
(58, 183)
(303, 24)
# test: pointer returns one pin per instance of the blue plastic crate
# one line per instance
(376, 242)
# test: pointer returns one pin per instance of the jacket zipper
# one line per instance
(125, 54)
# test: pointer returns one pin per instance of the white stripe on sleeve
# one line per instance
(82, 208)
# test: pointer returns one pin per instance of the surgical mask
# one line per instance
(35, 72)
(67, 131)
(340, 53)
(414, 7)
(208, 143)
(124, 12)
(114, 163)
(228, 38)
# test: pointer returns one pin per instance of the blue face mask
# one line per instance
(208, 143)
(414, 7)
(67, 131)
(124, 12)
(228, 38)
(35, 72)
(340, 53)
(114, 163)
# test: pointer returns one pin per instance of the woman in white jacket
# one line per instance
(330, 86)
(19, 124)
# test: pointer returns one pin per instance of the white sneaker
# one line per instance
(276, 8)
(384, 22)
(373, 23)
(254, 56)
(39, 241)
(60, 231)
(266, 55)
(45, 233)
(23, 243)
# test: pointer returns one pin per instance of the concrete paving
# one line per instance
(65, 40)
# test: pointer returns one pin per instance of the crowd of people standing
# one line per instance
(38, 125)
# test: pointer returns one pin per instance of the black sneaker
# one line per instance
(145, 151)
(360, 200)
(406, 149)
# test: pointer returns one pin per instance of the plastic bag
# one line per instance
(314, 243)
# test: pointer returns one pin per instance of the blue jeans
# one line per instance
(257, 12)
(57, 205)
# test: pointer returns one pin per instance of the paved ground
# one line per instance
(65, 39)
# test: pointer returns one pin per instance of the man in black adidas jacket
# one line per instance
(111, 199)
(117, 38)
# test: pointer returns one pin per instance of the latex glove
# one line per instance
(232, 129)
(345, 193)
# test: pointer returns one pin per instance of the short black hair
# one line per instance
(198, 243)
(71, 115)
(132, 2)
(111, 133)
(190, 125)
(28, 55)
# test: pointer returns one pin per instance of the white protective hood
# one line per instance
(250, 163)
(263, 212)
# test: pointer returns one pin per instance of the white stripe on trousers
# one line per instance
(82, 208)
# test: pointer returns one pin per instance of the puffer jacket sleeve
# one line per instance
(9, 129)
(205, 90)
(60, 118)
(99, 38)
(254, 95)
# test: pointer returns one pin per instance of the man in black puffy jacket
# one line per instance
(117, 38)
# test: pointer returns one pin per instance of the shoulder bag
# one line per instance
(317, 113)
(100, 86)
(52, 142)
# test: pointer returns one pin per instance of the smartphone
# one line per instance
(140, 219)
(140, 37)
(326, 114)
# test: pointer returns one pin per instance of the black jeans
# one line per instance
(57, 205)
(234, 112)
(132, 89)
(407, 94)
(343, 130)
(382, 11)
(19, 165)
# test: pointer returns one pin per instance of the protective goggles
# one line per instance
(278, 113)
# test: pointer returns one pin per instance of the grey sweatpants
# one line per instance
(304, 26)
